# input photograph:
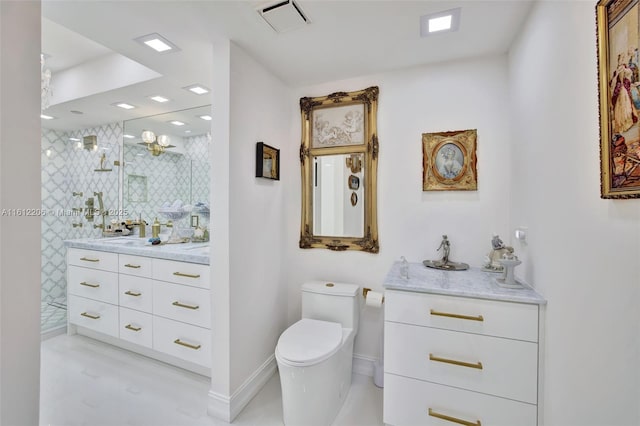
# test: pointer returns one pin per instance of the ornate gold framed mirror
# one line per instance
(339, 159)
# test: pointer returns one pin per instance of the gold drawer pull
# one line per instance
(477, 365)
(180, 342)
(132, 328)
(453, 419)
(132, 293)
(182, 305)
(128, 265)
(88, 259)
(86, 284)
(84, 314)
(180, 274)
(465, 317)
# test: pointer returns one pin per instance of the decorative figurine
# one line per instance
(445, 263)
(492, 260)
(509, 262)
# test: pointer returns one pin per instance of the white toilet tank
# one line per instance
(331, 301)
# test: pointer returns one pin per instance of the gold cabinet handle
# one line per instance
(180, 342)
(84, 314)
(88, 259)
(453, 419)
(132, 328)
(182, 305)
(477, 365)
(128, 265)
(132, 293)
(86, 284)
(465, 317)
(180, 274)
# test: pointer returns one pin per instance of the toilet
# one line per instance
(315, 355)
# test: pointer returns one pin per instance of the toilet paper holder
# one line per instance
(366, 290)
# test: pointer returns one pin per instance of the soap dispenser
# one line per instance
(155, 229)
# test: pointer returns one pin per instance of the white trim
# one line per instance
(363, 364)
(227, 408)
(52, 332)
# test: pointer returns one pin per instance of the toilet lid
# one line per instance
(309, 341)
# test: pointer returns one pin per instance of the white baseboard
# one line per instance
(53, 332)
(363, 364)
(227, 408)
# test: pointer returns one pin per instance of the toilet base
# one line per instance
(313, 395)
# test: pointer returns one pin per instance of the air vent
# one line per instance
(283, 16)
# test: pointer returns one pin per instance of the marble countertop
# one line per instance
(473, 283)
(185, 252)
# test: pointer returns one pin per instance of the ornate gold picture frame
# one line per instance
(618, 23)
(449, 161)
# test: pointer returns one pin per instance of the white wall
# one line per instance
(451, 96)
(260, 111)
(19, 235)
(583, 252)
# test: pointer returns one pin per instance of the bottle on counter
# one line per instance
(155, 229)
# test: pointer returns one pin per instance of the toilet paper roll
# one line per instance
(374, 299)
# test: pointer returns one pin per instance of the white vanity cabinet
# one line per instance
(157, 307)
(464, 352)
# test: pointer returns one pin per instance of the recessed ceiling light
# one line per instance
(177, 123)
(123, 105)
(205, 117)
(446, 21)
(157, 43)
(187, 131)
(197, 89)
(46, 117)
(128, 136)
(158, 98)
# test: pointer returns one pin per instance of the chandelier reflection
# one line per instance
(155, 145)
(45, 85)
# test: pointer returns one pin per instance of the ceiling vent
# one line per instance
(283, 16)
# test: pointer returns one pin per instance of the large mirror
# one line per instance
(339, 157)
(166, 160)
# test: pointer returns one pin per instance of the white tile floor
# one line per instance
(86, 382)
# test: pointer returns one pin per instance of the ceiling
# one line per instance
(89, 41)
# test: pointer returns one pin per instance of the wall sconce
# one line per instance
(155, 145)
(90, 143)
(354, 162)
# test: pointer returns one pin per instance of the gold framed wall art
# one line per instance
(449, 161)
(618, 39)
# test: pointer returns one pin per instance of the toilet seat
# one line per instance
(309, 342)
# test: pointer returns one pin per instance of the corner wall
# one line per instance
(19, 234)
(470, 94)
(582, 252)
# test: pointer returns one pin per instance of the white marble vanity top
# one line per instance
(473, 283)
(185, 252)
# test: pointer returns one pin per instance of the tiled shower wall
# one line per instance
(66, 168)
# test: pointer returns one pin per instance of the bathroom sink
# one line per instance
(204, 249)
(126, 241)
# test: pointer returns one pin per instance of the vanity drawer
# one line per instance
(492, 318)
(192, 274)
(409, 401)
(136, 327)
(184, 341)
(136, 293)
(93, 259)
(98, 316)
(134, 265)
(93, 283)
(182, 303)
(491, 365)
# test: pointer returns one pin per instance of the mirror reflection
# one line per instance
(166, 163)
(338, 200)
